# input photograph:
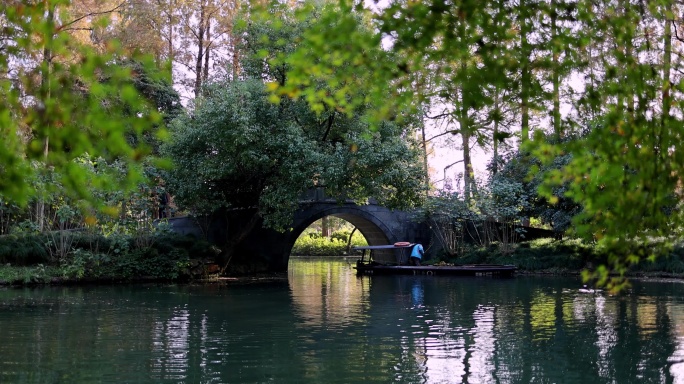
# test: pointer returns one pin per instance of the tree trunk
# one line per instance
(555, 73)
(667, 63)
(469, 188)
(469, 174)
(495, 135)
(426, 169)
(661, 151)
(171, 24)
(200, 52)
(236, 59)
(45, 90)
(627, 98)
(325, 226)
(207, 38)
(349, 240)
(235, 239)
(124, 208)
(525, 75)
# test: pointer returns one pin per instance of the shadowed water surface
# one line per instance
(324, 324)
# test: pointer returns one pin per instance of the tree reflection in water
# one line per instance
(325, 324)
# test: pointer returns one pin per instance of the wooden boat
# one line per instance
(367, 265)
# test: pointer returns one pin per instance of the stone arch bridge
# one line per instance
(267, 250)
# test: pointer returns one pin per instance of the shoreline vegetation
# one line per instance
(25, 259)
(549, 256)
(67, 257)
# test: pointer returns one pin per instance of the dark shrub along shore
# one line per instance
(32, 259)
(37, 258)
(564, 257)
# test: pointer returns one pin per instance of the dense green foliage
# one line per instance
(554, 208)
(338, 244)
(628, 188)
(537, 255)
(80, 126)
(491, 216)
(611, 65)
(116, 257)
(237, 149)
(334, 73)
(80, 123)
(72, 101)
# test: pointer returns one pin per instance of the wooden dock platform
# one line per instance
(367, 265)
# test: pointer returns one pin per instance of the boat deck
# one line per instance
(436, 270)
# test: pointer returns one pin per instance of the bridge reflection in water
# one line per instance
(325, 324)
(450, 329)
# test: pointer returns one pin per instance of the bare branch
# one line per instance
(676, 33)
(450, 132)
(330, 119)
(76, 29)
(72, 22)
(440, 116)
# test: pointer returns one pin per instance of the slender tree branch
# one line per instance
(298, 122)
(190, 67)
(72, 22)
(449, 132)
(676, 33)
(327, 131)
(440, 116)
(76, 29)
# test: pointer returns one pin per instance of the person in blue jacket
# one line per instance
(416, 254)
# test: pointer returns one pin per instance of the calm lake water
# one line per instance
(325, 325)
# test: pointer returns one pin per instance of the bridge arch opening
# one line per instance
(368, 224)
(328, 236)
